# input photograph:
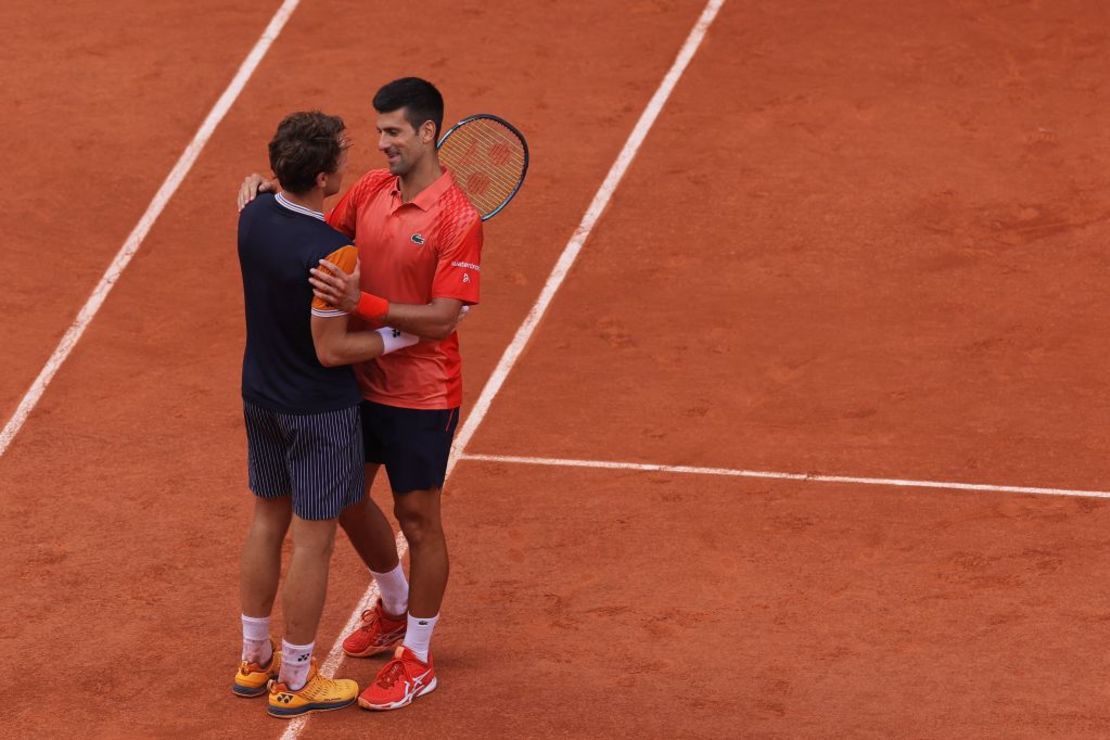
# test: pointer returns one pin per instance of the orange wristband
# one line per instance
(372, 307)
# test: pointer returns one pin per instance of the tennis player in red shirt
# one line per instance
(419, 242)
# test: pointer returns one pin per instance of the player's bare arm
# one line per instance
(434, 320)
(336, 346)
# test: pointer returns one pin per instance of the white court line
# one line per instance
(554, 281)
(589, 220)
(807, 477)
(142, 228)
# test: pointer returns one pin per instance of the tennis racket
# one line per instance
(489, 158)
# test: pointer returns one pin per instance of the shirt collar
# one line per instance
(283, 201)
(427, 197)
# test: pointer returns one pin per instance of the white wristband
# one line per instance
(395, 339)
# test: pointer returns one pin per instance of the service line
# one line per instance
(767, 474)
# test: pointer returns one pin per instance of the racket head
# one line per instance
(488, 157)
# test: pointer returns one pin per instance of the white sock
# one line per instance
(256, 640)
(295, 662)
(418, 637)
(394, 590)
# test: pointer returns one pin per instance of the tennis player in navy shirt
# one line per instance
(301, 411)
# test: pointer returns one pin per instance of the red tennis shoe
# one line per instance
(377, 633)
(401, 680)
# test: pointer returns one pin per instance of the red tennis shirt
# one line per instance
(413, 252)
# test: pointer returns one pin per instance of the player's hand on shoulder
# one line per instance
(335, 287)
(254, 184)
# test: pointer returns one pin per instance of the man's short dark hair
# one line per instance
(420, 99)
(306, 144)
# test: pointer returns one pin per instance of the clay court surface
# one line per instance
(863, 238)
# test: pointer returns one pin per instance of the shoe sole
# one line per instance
(365, 704)
(248, 693)
(307, 709)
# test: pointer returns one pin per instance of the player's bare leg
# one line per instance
(260, 563)
(382, 625)
(369, 531)
(259, 571)
(418, 513)
(411, 673)
(306, 585)
(299, 689)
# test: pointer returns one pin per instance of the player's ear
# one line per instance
(321, 180)
(428, 132)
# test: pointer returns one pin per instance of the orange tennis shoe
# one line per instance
(377, 633)
(251, 678)
(401, 680)
(319, 694)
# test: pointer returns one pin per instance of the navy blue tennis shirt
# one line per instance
(279, 242)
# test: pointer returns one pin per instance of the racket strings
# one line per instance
(509, 148)
(489, 139)
(487, 160)
(504, 173)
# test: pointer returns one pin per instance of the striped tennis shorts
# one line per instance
(316, 458)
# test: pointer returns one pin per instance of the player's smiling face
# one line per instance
(402, 145)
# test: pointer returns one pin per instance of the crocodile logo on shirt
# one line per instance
(417, 239)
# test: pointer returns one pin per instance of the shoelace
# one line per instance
(369, 620)
(393, 671)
